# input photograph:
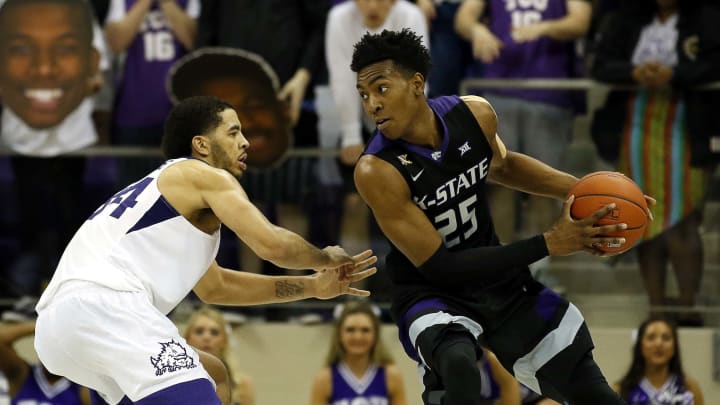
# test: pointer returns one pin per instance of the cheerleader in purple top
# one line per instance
(358, 369)
(656, 375)
(33, 384)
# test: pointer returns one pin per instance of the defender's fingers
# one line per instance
(367, 262)
(362, 274)
(362, 255)
(357, 292)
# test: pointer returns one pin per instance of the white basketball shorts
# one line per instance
(114, 342)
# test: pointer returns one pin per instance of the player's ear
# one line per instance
(201, 145)
(418, 84)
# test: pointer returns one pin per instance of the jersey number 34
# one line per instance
(127, 198)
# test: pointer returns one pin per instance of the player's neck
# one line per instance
(425, 130)
(657, 375)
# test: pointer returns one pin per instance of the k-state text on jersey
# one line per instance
(455, 185)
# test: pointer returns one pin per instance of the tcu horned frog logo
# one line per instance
(172, 357)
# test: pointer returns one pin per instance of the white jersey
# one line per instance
(137, 241)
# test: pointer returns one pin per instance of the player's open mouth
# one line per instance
(241, 161)
(382, 122)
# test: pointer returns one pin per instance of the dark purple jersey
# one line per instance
(141, 96)
(37, 390)
(541, 58)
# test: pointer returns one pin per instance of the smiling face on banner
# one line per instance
(247, 83)
(46, 59)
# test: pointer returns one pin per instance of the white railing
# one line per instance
(553, 84)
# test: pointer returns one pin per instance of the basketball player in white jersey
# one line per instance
(102, 320)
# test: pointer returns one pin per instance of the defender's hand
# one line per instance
(333, 282)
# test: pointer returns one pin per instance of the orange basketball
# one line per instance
(599, 189)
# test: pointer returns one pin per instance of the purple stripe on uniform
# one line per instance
(547, 304)
(193, 392)
(418, 308)
(378, 143)
(159, 212)
(440, 106)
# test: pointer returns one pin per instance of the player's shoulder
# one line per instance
(477, 104)
(194, 172)
(483, 112)
(377, 180)
(373, 167)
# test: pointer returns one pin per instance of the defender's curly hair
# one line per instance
(404, 48)
(192, 116)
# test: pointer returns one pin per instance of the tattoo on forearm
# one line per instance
(287, 289)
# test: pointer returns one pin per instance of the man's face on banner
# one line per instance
(46, 62)
(264, 121)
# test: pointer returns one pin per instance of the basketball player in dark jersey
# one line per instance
(424, 176)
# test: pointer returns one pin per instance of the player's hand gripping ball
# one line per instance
(599, 189)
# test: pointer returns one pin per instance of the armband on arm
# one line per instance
(483, 264)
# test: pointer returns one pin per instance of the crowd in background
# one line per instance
(659, 135)
(150, 53)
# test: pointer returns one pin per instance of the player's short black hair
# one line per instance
(404, 48)
(192, 116)
(85, 20)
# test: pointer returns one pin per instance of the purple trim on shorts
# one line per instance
(547, 304)
(422, 306)
(192, 392)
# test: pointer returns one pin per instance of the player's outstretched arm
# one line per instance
(220, 286)
(222, 193)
